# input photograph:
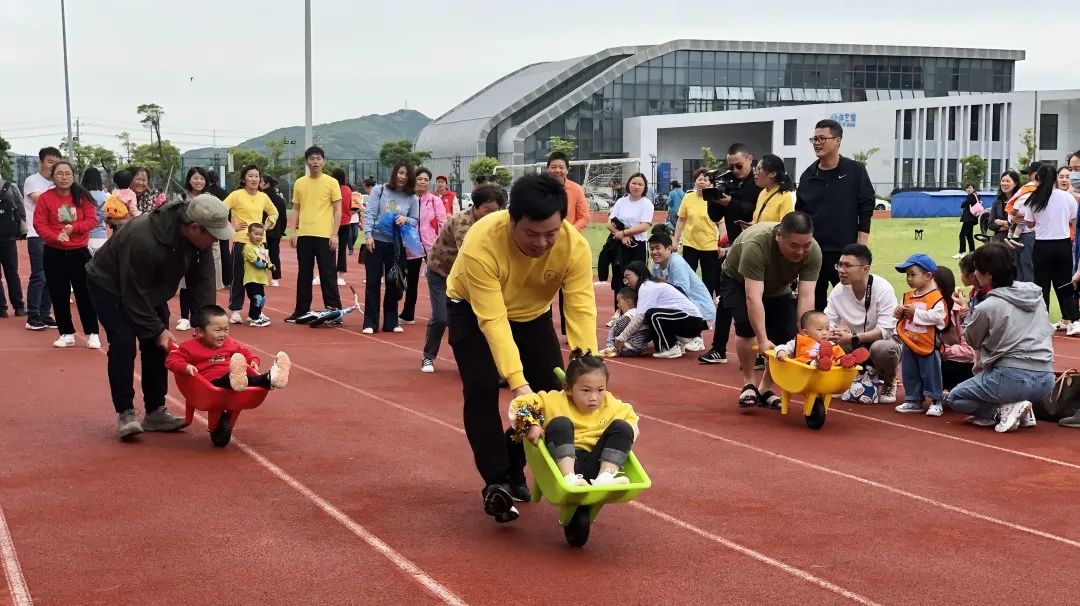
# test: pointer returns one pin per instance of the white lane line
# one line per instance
(868, 482)
(20, 594)
(364, 534)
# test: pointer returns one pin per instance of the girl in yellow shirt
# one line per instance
(587, 430)
(777, 197)
(697, 233)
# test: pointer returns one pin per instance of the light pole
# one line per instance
(67, 87)
(309, 137)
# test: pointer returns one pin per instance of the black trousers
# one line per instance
(954, 373)
(312, 252)
(613, 445)
(236, 286)
(709, 259)
(65, 273)
(668, 325)
(262, 380)
(634, 253)
(1053, 267)
(122, 339)
(343, 248)
(378, 264)
(9, 265)
(226, 263)
(408, 309)
(497, 459)
(827, 277)
(967, 237)
(273, 247)
(257, 296)
(185, 304)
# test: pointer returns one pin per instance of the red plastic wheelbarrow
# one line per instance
(222, 406)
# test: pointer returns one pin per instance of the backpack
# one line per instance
(11, 225)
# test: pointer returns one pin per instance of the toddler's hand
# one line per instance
(782, 354)
(191, 370)
(536, 433)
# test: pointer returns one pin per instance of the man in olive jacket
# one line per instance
(131, 280)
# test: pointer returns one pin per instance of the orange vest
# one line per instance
(806, 349)
(921, 340)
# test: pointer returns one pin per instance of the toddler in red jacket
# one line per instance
(222, 360)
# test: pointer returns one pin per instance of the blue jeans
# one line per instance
(921, 375)
(38, 303)
(982, 394)
(1024, 258)
(436, 326)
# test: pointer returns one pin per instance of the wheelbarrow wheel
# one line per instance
(816, 418)
(223, 432)
(577, 531)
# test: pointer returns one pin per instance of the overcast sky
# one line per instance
(237, 66)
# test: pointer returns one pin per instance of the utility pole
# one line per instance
(67, 85)
(308, 134)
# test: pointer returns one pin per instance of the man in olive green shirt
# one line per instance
(755, 287)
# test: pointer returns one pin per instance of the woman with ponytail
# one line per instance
(1050, 211)
(64, 217)
(777, 197)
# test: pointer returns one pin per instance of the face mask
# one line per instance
(1074, 179)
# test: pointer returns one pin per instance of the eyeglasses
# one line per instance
(738, 166)
(847, 266)
(820, 140)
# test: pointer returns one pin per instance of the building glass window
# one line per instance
(929, 179)
(952, 123)
(909, 119)
(975, 111)
(995, 126)
(995, 168)
(1048, 131)
(950, 173)
(931, 123)
(789, 167)
(790, 131)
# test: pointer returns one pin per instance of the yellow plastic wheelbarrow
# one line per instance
(579, 505)
(817, 387)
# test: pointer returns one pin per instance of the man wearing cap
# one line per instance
(131, 280)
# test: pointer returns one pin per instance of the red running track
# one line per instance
(356, 486)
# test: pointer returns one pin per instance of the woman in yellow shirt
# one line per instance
(777, 197)
(701, 233)
(248, 205)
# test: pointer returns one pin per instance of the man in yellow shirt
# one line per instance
(313, 233)
(511, 264)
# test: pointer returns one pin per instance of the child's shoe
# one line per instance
(935, 410)
(910, 407)
(279, 372)
(825, 357)
(607, 352)
(614, 319)
(609, 479)
(183, 324)
(238, 378)
(575, 479)
(856, 357)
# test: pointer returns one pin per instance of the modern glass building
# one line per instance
(589, 98)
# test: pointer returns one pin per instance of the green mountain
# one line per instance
(346, 139)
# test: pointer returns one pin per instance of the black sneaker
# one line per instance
(290, 320)
(49, 322)
(759, 362)
(3, 313)
(713, 357)
(21, 312)
(35, 323)
(498, 503)
(519, 491)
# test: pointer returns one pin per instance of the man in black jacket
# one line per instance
(12, 228)
(837, 194)
(131, 280)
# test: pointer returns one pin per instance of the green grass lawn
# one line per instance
(892, 241)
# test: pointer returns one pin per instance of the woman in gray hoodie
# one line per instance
(1011, 334)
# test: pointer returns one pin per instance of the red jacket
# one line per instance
(54, 211)
(346, 205)
(211, 363)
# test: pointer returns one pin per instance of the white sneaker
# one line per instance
(1073, 330)
(958, 256)
(673, 352)
(275, 283)
(398, 329)
(260, 323)
(575, 479)
(279, 372)
(1010, 415)
(695, 344)
(887, 393)
(316, 281)
(264, 317)
(183, 324)
(608, 479)
(64, 341)
(340, 281)
(910, 407)
(368, 331)
(93, 342)
(234, 318)
(935, 410)
(427, 366)
(1063, 325)
(1028, 420)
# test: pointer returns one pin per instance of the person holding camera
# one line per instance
(837, 194)
(696, 231)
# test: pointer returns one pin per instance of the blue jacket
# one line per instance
(674, 198)
(377, 206)
(685, 279)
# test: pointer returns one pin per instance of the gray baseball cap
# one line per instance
(209, 212)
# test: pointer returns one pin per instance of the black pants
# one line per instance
(709, 260)
(273, 246)
(378, 264)
(65, 272)
(312, 252)
(967, 237)
(631, 254)
(9, 265)
(408, 309)
(236, 286)
(122, 338)
(185, 304)
(226, 263)
(257, 296)
(497, 459)
(781, 323)
(262, 380)
(827, 277)
(954, 373)
(613, 446)
(668, 325)
(343, 248)
(1053, 266)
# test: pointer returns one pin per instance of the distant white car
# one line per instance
(599, 202)
(880, 204)
(465, 201)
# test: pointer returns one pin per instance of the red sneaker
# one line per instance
(825, 356)
(855, 358)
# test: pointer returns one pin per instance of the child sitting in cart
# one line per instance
(587, 430)
(224, 362)
(813, 347)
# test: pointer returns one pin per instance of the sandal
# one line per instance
(749, 396)
(768, 399)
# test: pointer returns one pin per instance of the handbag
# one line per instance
(977, 209)
(397, 279)
(1064, 399)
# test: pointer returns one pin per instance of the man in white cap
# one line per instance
(131, 280)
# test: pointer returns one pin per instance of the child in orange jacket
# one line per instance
(813, 347)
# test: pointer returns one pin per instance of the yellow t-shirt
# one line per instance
(315, 198)
(699, 231)
(772, 205)
(249, 209)
(588, 427)
(502, 285)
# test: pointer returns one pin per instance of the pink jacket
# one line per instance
(432, 219)
(127, 196)
(956, 349)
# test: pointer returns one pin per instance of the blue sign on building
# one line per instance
(663, 177)
(846, 120)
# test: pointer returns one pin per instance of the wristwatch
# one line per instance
(855, 341)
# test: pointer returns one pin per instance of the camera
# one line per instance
(723, 184)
